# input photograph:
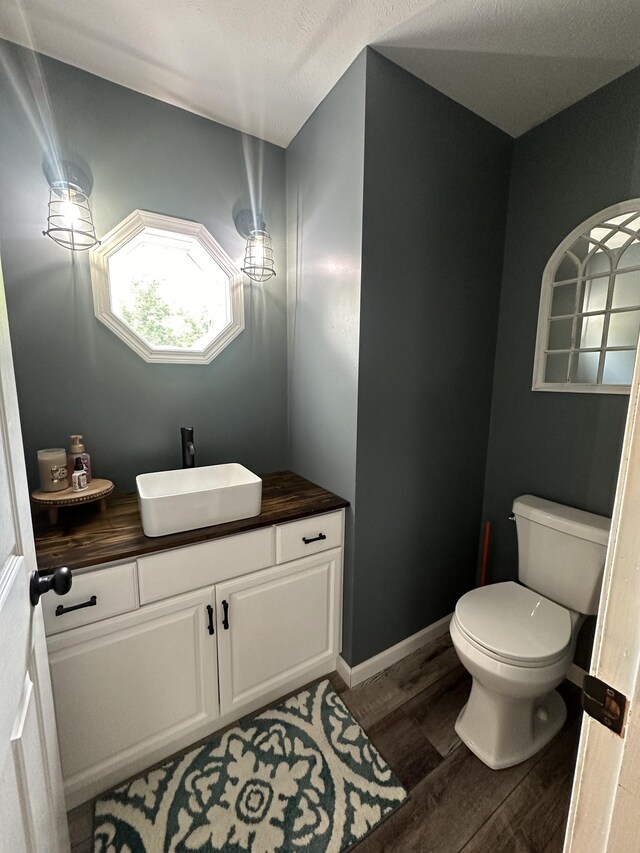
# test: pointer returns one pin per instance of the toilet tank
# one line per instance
(561, 551)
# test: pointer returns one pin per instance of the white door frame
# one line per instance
(606, 792)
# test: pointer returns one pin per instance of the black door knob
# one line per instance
(59, 581)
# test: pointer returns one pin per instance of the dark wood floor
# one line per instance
(456, 803)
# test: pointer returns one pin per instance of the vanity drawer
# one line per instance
(308, 536)
(115, 592)
(181, 570)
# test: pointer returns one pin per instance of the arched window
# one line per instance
(590, 306)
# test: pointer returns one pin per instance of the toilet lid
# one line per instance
(514, 622)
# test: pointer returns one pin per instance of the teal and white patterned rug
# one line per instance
(300, 777)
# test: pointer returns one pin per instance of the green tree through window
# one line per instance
(153, 318)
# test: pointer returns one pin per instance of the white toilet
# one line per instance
(518, 641)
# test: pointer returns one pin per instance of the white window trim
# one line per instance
(544, 313)
(122, 234)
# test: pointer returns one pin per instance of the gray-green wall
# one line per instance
(435, 195)
(325, 164)
(396, 201)
(73, 374)
(564, 447)
(396, 265)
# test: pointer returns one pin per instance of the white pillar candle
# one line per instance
(52, 465)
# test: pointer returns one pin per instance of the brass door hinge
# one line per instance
(605, 704)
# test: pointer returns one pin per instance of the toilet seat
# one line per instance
(514, 624)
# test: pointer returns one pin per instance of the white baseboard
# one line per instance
(575, 674)
(343, 670)
(357, 674)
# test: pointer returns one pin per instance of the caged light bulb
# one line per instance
(69, 221)
(70, 214)
(258, 258)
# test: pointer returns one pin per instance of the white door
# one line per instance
(606, 793)
(277, 627)
(32, 814)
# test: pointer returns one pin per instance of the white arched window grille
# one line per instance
(590, 306)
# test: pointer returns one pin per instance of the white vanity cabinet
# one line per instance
(277, 626)
(132, 688)
(127, 689)
(93, 596)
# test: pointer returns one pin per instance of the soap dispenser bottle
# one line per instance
(77, 451)
(79, 476)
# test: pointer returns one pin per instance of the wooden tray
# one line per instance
(97, 490)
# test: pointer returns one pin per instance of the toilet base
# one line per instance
(502, 731)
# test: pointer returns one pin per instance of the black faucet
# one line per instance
(188, 448)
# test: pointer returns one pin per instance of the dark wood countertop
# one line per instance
(86, 537)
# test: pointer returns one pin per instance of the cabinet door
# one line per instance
(281, 624)
(128, 690)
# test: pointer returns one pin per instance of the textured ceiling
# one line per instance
(263, 67)
(518, 62)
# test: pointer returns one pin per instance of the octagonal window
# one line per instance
(167, 289)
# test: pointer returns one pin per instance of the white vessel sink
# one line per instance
(171, 501)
